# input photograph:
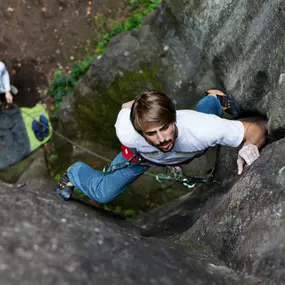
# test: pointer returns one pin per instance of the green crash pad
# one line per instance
(30, 114)
(17, 138)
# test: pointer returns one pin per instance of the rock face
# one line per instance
(32, 167)
(188, 47)
(241, 224)
(47, 241)
(184, 49)
(245, 227)
(235, 237)
(235, 42)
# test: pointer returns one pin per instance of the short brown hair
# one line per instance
(152, 108)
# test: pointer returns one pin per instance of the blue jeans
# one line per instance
(104, 187)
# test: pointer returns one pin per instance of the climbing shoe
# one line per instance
(228, 103)
(64, 191)
(44, 126)
(37, 130)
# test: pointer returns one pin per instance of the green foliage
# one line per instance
(130, 213)
(134, 3)
(62, 84)
(145, 5)
(120, 210)
(94, 117)
(57, 177)
(118, 28)
(53, 157)
(78, 194)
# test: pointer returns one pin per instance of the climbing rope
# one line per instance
(177, 175)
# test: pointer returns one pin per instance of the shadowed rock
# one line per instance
(47, 241)
(245, 226)
(241, 224)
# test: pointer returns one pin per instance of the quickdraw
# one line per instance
(179, 177)
(188, 182)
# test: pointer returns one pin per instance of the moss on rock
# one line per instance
(97, 114)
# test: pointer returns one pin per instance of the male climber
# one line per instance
(153, 129)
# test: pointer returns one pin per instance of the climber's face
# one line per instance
(161, 137)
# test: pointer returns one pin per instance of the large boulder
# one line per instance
(183, 49)
(244, 227)
(187, 47)
(48, 241)
(241, 224)
(240, 43)
(31, 167)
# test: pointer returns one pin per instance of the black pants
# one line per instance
(3, 102)
(2, 98)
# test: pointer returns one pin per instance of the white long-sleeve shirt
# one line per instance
(4, 79)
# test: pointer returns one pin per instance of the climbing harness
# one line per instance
(176, 176)
(109, 169)
(173, 174)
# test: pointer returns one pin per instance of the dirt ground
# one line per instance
(37, 36)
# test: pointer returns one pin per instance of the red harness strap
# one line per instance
(129, 155)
